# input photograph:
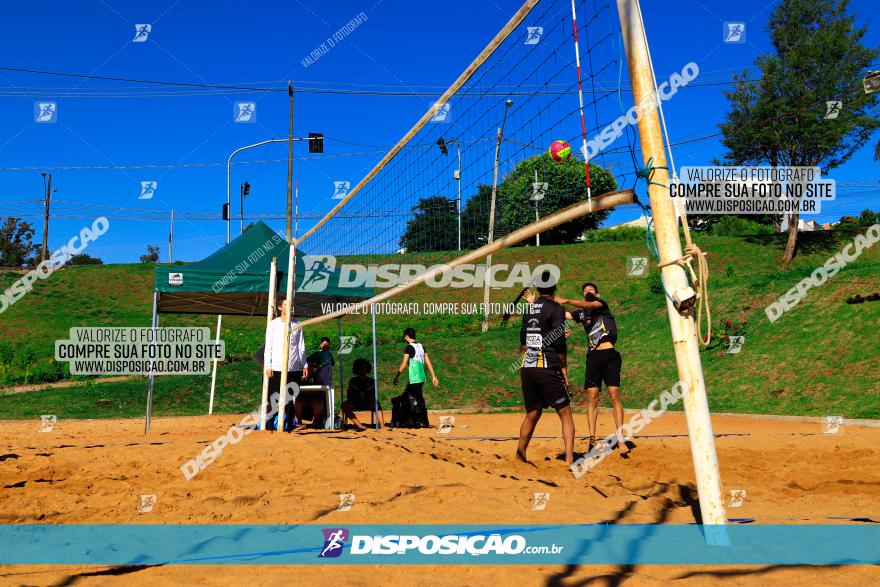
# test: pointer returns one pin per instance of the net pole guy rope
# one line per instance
(577, 60)
(582, 208)
(512, 24)
(684, 335)
(269, 314)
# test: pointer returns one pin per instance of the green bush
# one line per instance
(25, 357)
(737, 226)
(624, 233)
(655, 282)
(7, 353)
(46, 372)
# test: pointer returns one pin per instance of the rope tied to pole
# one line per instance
(699, 278)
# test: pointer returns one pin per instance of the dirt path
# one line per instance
(57, 384)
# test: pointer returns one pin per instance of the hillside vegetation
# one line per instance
(820, 358)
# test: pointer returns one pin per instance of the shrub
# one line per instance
(7, 353)
(46, 372)
(655, 282)
(624, 233)
(737, 226)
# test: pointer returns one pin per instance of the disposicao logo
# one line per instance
(334, 542)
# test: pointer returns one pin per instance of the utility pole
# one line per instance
(171, 240)
(457, 177)
(684, 336)
(537, 196)
(485, 325)
(47, 185)
(291, 266)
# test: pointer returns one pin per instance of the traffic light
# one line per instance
(245, 188)
(225, 211)
(442, 144)
(316, 142)
(453, 207)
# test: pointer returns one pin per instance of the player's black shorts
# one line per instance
(604, 366)
(543, 388)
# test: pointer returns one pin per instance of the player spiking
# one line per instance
(543, 372)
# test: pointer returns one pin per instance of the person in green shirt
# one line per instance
(415, 360)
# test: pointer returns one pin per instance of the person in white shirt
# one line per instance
(297, 363)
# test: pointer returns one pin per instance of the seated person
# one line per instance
(321, 363)
(361, 394)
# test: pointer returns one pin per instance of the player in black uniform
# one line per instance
(603, 360)
(544, 369)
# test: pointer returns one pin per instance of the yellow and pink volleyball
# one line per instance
(560, 151)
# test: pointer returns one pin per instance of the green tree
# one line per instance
(152, 255)
(84, 259)
(779, 119)
(16, 243)
(565, 186)
(433, 227)
(475, 218)
(869, 218)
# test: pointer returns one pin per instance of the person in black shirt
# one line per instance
(362, 394)
(543, 372)
(603, 360)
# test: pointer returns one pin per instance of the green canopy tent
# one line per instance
(236, 280)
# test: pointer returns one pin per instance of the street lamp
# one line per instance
(245, 148)
(485, 326)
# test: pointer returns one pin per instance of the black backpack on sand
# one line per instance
(408, 412)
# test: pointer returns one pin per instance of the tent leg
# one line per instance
(214, 370)
(341, 368)
(269, 313)
(154, 323)
(375, 369)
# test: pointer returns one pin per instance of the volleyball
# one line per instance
(560, 151)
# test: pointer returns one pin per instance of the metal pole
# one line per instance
(537, 236)
(270, 309)
(214, 370)
(241, 209)
(341, 369)
(290, 162)
(684, 337)
(458, 148)
(485, 325)
(291, 264)
(46, 217)
(171, 240)
(577, 59)
(153, 324)
(375, 369)
(229, 174)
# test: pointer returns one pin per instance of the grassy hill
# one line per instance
(820, 358)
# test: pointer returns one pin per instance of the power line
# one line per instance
(498, 91)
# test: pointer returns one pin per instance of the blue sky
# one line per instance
(401, 45)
